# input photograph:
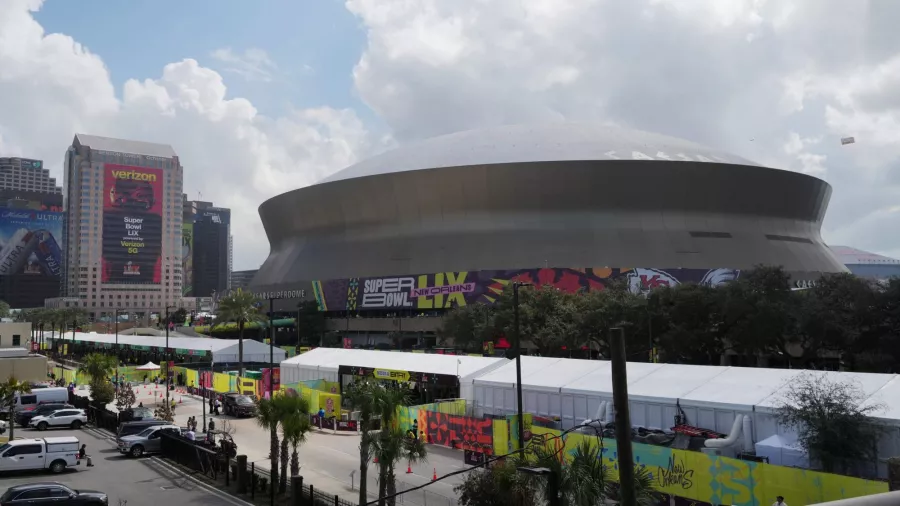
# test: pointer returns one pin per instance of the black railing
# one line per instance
(192, 455)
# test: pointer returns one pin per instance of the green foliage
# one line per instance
(9, 389)
(126, 397)
(98, 366)
(831, 422)
(4, 309)
(178, 317)
(102, 392)
(753, 319)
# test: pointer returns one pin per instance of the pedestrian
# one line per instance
(190, 434)
(779, 501)
(82, 455)
(212, 425)
(217, 406)
(141, 404)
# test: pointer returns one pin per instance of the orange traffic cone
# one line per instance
(180, 400)
(408, 468)
(434, 476)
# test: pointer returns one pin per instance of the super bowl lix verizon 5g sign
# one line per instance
(401, 292)
(132, 224)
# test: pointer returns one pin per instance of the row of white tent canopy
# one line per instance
(550, 382)
(221, 350)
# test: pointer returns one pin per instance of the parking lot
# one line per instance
(136, 482)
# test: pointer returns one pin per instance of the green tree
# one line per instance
(832, 422)
(467, 327)
(391, 445)
(294, 430)
(293, 416)
(240, 307)
(687, 329)
(836, 315)
(9, 390)
(4, 309)
(758, 313)
(178, 317)
(99, 367)
(311, 324)
(360, 395)
(268, 417)
(599, 311)
(499, 485)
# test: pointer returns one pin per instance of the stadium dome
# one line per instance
(569, 195)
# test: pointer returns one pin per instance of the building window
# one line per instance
(17, 340)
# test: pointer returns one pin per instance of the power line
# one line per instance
(492, 460)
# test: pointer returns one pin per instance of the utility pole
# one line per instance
(623, 418)
(517, 345)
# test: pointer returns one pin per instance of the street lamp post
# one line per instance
(116, 316)
(517, 344)
(168, 370)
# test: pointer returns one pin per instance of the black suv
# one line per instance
(23, 417)
(238, 404)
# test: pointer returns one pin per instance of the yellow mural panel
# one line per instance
(720, 480)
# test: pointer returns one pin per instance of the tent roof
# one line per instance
(187, 343)
(328, 359)
(600, 380)
(541, 373)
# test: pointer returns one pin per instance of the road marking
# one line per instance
(207, 488)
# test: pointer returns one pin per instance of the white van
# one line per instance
(39, 396)
(53, 453)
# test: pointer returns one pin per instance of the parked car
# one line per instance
(238, 404)
(52, 453)
(37, 397)
(136, 414)
(47, 493)
(3, 426)
(148, 441)
(132, 428)
(73, 418)
(25, 416)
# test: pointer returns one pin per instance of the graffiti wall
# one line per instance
(457, 431)
(709, 479)
(449, 289)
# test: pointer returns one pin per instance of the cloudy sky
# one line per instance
(261, 97)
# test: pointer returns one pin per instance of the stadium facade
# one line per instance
(450, 220)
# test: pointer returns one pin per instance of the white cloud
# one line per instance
(778, 82)
(253, 65)
(51, 87)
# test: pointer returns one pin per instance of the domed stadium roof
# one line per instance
(535, 143)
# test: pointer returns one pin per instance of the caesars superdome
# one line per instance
(452, 219)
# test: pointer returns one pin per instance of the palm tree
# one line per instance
(359, 396)
(98, 366)
(9, 390)
(294, 427)
(242, 308)
(293, 413)
(268, 417)
(391, 444)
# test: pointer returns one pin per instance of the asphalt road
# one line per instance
(327, 459)
(146, 481)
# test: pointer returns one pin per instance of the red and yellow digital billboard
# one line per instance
(132, 224)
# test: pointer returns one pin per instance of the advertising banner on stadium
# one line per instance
(187, 258)
(132, 224)
(450, 289)
(30, 242)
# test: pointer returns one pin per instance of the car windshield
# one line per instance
(244, 400)
(146, 432)
(4, 448)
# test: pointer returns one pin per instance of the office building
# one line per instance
(123, 200)
(31, 233)
(206, 248)
(27, 175)
(242, 279)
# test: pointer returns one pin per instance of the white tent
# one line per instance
(221, 350)
(782, 451)
(323, 363)
(149, 366)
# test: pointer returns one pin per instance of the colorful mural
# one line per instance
(719, 480)
(457, 431)
(449, 289)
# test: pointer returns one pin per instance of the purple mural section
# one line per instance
(444, 290)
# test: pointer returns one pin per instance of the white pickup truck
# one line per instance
(53, 453)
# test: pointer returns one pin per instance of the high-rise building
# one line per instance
(124, 205)
(31, 233)
(27, 175)
(242, 279)
(206, 248)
